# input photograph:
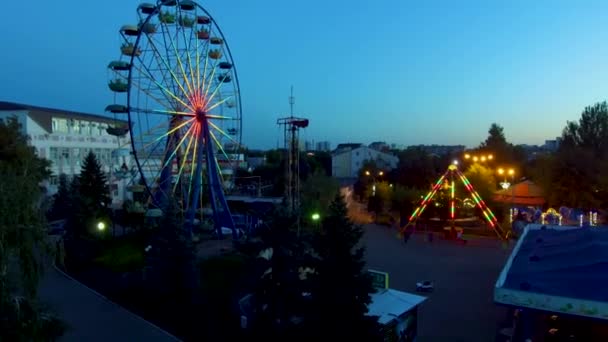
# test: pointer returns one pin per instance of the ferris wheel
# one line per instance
(177, 84)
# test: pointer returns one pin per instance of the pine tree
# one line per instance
(91, 198)
(278, 295)
(340, 286)
(61, 200)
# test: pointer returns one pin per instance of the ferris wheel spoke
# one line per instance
(188, 53)
(166, 91)
(179, 62)
(149, 70)
(159, 101)
(208, 81)
(163, 111)
(219, 103)
(181, 141)
(224, 133)
(220, 117)
(166, 62)
(183, 163)
(171, 131)
(219, 145)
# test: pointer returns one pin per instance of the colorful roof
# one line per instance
(523, 193)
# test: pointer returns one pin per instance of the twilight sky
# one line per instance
(390, 70)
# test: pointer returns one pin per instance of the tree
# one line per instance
(340, 288)
(591, 131)
(21, 236)
(577, 178)
(483, 180)
(93, 198)
(278, 291)
(171, 257)
(418, 169)
(317, 193)
(61, 200)
(404, 200)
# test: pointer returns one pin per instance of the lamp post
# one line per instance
(512, 174)
(380, 174)
(478, 158)
(316, 218)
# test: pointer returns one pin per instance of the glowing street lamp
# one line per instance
(367, 173)
(101, 226)
(455, 162)
(315, 216)
(475, 159)
(483, 158)
(490, 157)
(467, 156)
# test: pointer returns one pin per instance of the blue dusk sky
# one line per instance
(405, 72)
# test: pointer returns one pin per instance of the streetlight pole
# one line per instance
(512, 174)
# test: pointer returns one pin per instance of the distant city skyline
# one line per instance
(396, 71)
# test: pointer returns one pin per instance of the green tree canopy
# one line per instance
(21, 235)
(91, 201)
(577, 176)
(341, 287)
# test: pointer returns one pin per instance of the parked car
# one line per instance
(424, 286)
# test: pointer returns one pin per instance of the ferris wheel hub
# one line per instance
(200, 114)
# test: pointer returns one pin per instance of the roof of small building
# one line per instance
(389, 304)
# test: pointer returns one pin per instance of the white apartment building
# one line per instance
(66, 137)
(347, 160)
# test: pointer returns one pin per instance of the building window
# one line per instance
(357, 153)
(76, 157)
(59, 125)
(65, 156)
(54, 156)
(76, 127)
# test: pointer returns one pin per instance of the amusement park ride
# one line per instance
(176, 82)
(291, 129)
(448, 180)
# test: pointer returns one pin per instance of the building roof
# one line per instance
(348, 146)
(36, 111)
(558, 269)
(389, 304)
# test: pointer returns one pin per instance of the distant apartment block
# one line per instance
(441, 150)
(347, 159)
(323, 146)
(380, 146)
(311, 146)
(551, 145)
(66, 137)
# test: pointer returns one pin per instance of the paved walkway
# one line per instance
(90, 316)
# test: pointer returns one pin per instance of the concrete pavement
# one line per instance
(90, 316)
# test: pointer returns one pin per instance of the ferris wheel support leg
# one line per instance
(193, 201)
(164, 184)
(221, 213)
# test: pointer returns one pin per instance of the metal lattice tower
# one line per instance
(291, 126)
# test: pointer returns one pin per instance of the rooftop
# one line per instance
(558, 269)
(6, 106)
(389, 304)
